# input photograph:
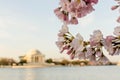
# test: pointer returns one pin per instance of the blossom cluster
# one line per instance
(91, 50)
(75, 46)
(112, 43)
(116, 7)
(70, 10)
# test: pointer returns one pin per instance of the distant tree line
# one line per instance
(22, 62)
(6, 61)
(65, 62)
(10, 62)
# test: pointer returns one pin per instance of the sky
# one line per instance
(31, 24)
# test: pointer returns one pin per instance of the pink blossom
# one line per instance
(89, 8)
(84, 10)
(57, 10)
(92, 58)
(66, 19)
(73, 20)
(61, 39)
(109, 39)
(96, 37)
(77, 45)
(70, 50)
(63, 30)
(96, 34)
(117, 51)
(58, 13)
(108, 44)
(118, 2)
(72, 7)
(62, 15)
(117, 31)
(81, 4)
(104, 60)
(99, 53)
(93, 43)
(59, 44)
(64, 4)
(65, 47)
(92, 1)
(90, 52)
(81, 55)
(79, 37)
(79, 49)
(77, 42)
(81, 12)
(72, 56)
(118, 20)
(114, 7)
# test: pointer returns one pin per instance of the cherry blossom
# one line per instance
(108, 44)
(70, 10)
(92, 1)
(70, 50)
(60, 42)
(104, 60)
(96, 37)
(77, 42)
(92, 58)
(75, 46)
(118, 20)
(64, 4)
(116, 7)
(81, 55)
(99, 53)
(73, 20)
(117, 51)
(90, 51)
(63, 30)
(117, 31)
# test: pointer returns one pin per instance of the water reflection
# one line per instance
(29, 74)
(62, 73)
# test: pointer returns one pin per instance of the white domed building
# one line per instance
(34, 56)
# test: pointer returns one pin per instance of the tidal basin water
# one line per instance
(62, 73)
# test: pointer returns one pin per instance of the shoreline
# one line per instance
(39, 66)
(28, 66)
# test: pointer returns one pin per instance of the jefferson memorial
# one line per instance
(33, 56)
